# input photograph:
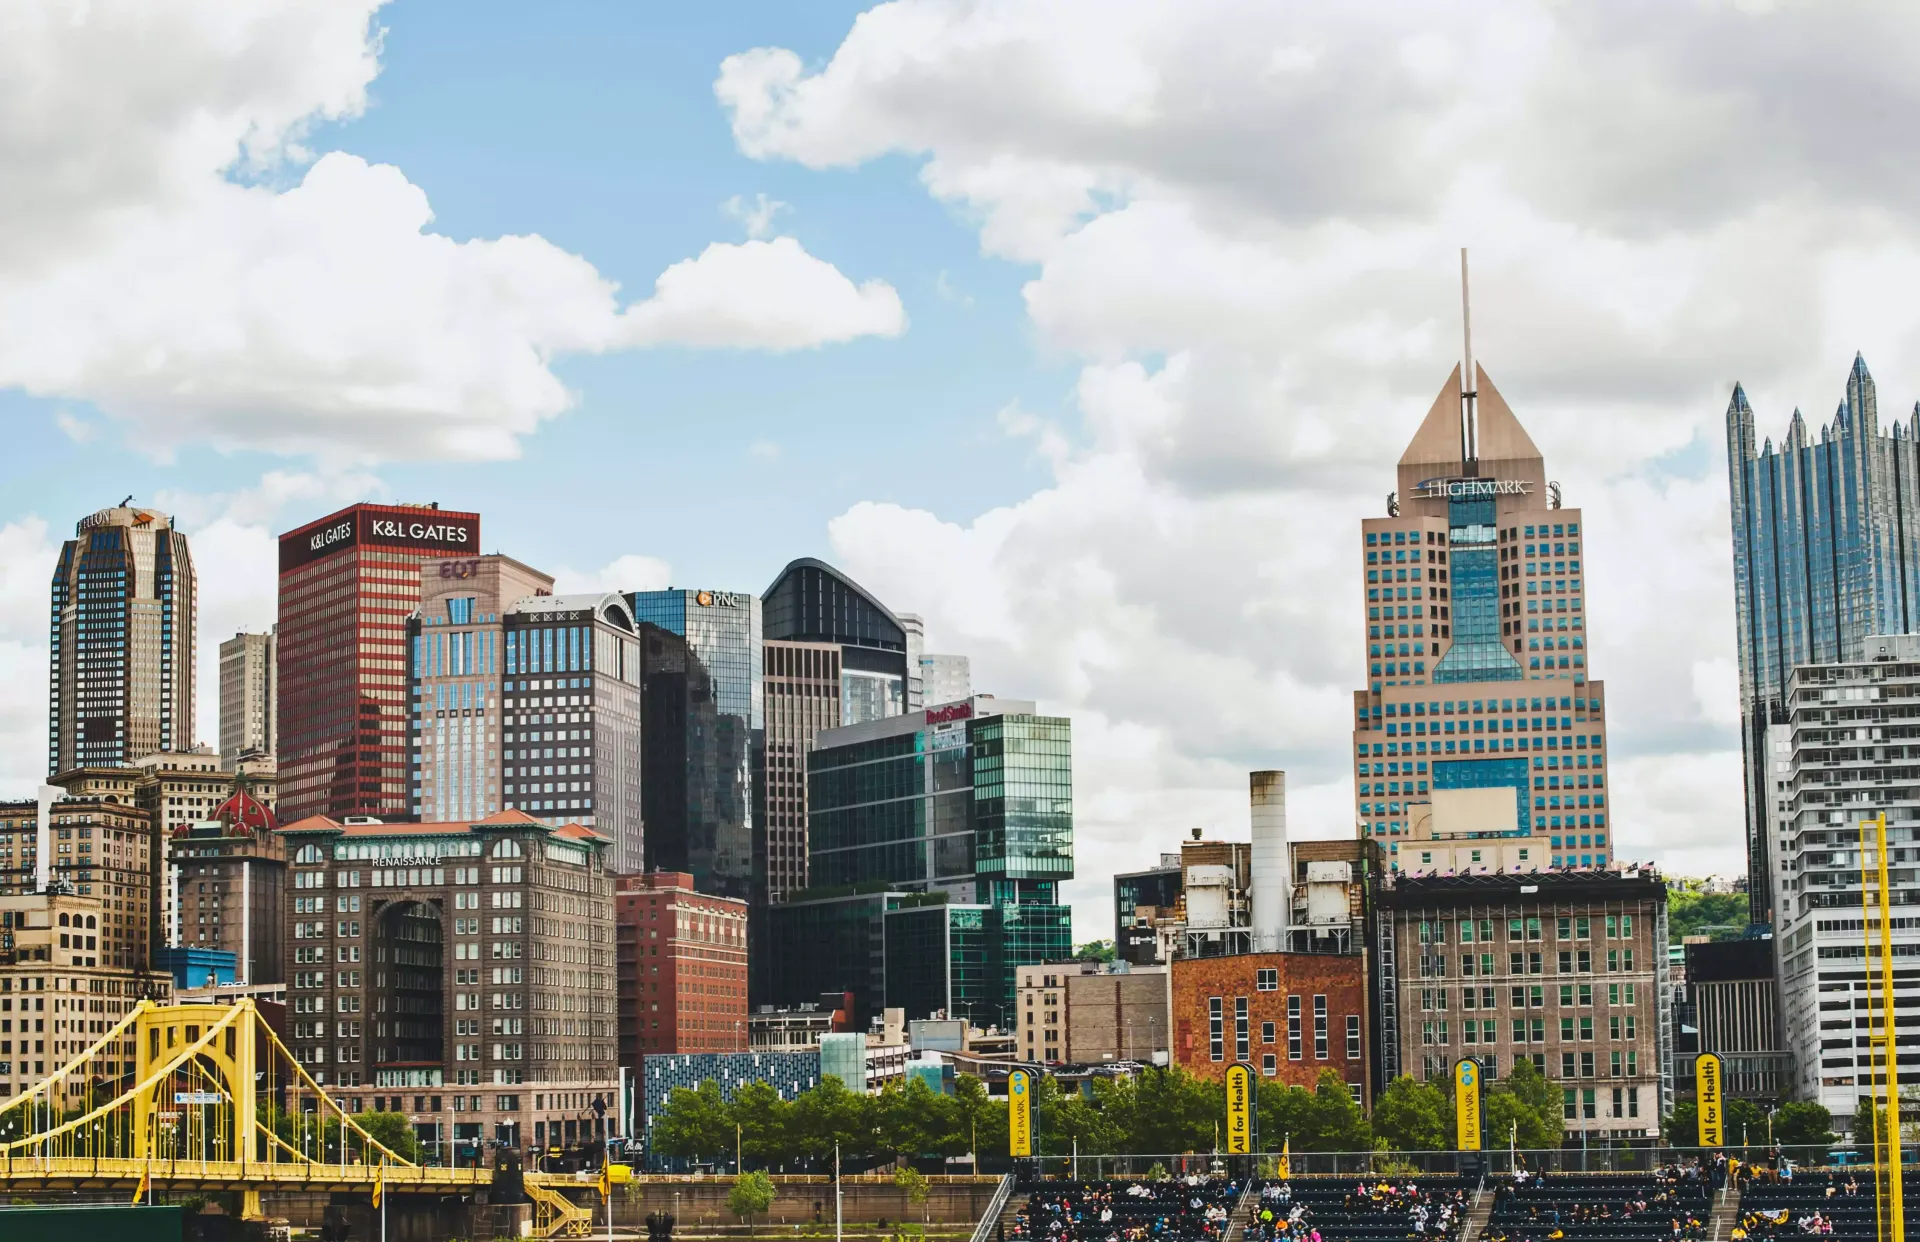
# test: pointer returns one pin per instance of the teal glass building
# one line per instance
(937, 842)
(1826, 551)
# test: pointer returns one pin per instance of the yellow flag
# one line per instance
(606, 1178)
(1286, 1158)
(145, 1188)
(379, 1183)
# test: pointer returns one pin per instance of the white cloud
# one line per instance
(1242, 220)
(75, 429)
(762, 295)
(632, 572)
(156, 265)
(756, 216)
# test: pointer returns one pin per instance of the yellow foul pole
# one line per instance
(1873, 1040)
(1896, 1205)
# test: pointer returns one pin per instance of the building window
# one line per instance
(1216, 1032)
(1267, 979)
(1268, 1033)
(1240, 1049)
(1269, 1064)
(1293, 1028)
(1320, 1028)
(1353, 1036)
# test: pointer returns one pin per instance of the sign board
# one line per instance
(1240, 1109)
(1707, 1085)
(1470, 489)
(1466, 1104)
(430, 531)
(197, 1097)
(1020, 1113)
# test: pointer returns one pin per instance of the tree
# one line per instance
(695, 1124)
(913, 1119)
(762, 1117)
(394, 1132)
(751, 1195)
(1095, 951)
(1720, 915)
(980, 1122)
(1160, 1111)
(1744, 1123)
(1868, 1121)
(1803, 1123)
(1413, 1116)
(1524, 1108)
(827, 1116)
(1332, 1120)
(1682, 1126)
(913, 1183)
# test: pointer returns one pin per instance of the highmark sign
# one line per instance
(1471, 489)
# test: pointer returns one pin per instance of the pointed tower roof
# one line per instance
(1499, 436)
(1438, 440)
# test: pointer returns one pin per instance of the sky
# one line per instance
(1087, 330)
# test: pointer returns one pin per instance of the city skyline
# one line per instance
(1087, 390)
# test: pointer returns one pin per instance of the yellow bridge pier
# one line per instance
(205, 1098)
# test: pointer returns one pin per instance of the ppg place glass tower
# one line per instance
(1478, 742)
(1826, 551)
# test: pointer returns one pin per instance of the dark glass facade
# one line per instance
(936, 851)
(1826, 551)
(813, 602)
(1159, 888)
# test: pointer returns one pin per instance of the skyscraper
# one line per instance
(803, 701)
(1826, 551)
(1479, 742)
(704, 711)
(457, 665)
(348, 584)
(812, 602)
(122, 641)
(249, 693)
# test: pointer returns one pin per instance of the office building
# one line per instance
(937, 844)
(249, 696)
(1844, 754)
(1479, 742)
(1567, 969)
(97, 845)
(1825, 555)
(682, 967)
(945, 678)
(1086, 1012)
(474, 957)
(1729, 992)
(228, 881)
(812, 602)
(122, 641)
(348, 585)
(1139, 897)
(53, 965)
(177, 788)
(700, 785)
(802, 702)
(788, 1073)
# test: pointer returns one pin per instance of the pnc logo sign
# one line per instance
(721, 599)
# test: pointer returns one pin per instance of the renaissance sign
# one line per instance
(422, 530)
(1470, 489)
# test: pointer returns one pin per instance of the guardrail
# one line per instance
(995, 1206)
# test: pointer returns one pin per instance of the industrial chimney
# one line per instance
(1271, 891)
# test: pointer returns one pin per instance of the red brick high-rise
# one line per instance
(348, 582)
(682, 967)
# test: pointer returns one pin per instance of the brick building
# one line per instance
(1290, 1015)
(229, 879)
(475, 957)
(1565, 969)
(1084, 1012)
(682, 967)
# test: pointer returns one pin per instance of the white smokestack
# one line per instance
(43, 838)
(1271, 891)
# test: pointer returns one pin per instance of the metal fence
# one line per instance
(1616, 1158)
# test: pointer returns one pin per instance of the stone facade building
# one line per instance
(473, 960)
(1565, 969)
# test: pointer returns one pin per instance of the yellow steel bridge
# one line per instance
(205, 1098)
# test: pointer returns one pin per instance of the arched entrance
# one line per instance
(408, 992)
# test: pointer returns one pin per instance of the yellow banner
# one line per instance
(1240, 1088)
(1466, 1104)
(1020, 1113)
(1707, 1088)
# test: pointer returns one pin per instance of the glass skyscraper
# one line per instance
(702, 733)
(937, 844)
(1826, 551)
(1479, 743)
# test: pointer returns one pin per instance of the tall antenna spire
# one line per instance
(1469, 431)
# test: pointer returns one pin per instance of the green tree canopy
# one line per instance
(1331, 1119)
(1524, 1108)
(695, 1125)
(763, 1118)
(1413, 1116)
(1803, 1123)
(828, 1115)
(751, 1195)
(394, 1132)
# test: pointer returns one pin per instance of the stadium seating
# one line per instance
(1181, 1209)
